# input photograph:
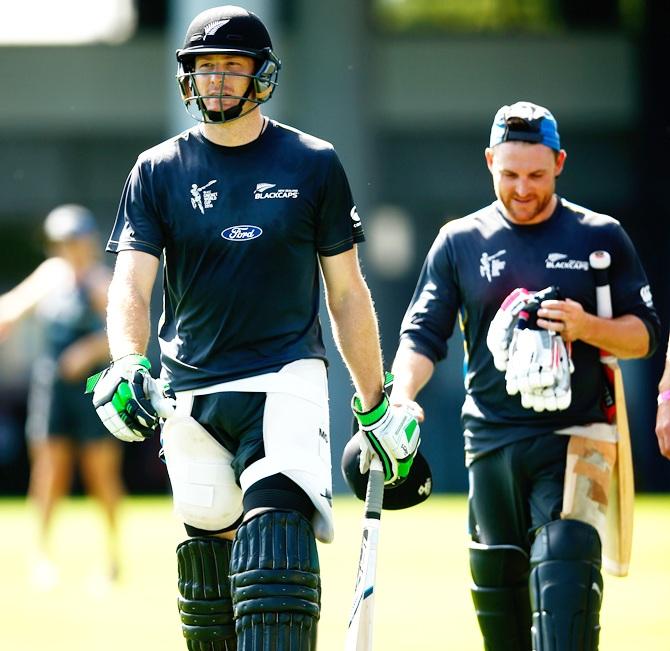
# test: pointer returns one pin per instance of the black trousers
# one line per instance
(517, 489)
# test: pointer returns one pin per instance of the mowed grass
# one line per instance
(423, 601)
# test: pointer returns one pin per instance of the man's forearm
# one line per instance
(411, 371)
(128, 323)
(625, 337)
(356, 335)
(664, 382)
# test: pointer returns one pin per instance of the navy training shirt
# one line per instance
(241, 229)
(475, 262)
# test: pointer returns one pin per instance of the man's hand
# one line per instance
(128, 400)
(663, 427)
(567, 318)
(392, 433)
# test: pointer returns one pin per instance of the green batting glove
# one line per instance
(389, 431)
(128, 400)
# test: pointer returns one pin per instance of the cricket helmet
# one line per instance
(68, 222)
(227, 30)
(416, 488)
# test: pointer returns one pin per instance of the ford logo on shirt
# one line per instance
(242, 233)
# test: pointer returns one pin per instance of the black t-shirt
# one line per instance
(475, 262)
(241, 229)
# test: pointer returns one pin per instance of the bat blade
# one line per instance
(359, 632)
(618, 543)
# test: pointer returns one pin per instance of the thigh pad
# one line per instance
(204, 490)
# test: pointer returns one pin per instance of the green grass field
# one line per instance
(423, 601)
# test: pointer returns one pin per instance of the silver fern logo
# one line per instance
(267, 191)
(212, 28)
(561, 261)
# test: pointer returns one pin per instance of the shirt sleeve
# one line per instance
(137, 226)
(431, 315)
(631, 293)
(339, 226)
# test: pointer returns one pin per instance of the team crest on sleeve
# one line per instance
(201, 197)
(490, 266)
(645, 295)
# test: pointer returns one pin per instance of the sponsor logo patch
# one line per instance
(241, 233)
(561, 261)
(426, 488)
(268, 191)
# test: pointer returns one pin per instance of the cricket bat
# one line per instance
(618, 542)
(359, 633)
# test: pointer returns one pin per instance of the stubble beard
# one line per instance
(541, 203)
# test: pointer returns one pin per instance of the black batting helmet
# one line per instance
(416, 488)
(227, 30)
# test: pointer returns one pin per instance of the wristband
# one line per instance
(663, 396)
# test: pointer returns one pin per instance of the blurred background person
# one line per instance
(663, 412)
(66, 294)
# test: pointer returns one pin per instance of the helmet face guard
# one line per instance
(227, 30)
(259, 90)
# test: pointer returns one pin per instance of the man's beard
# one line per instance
(541, 203)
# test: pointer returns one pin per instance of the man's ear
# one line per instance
(488, 155)
(560, 161)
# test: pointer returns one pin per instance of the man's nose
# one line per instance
(522, 187)
(216, 78)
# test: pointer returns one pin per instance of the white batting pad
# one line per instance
(204, 490)
(296, 432)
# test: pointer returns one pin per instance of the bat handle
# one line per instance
(600, 262)
(374, 497)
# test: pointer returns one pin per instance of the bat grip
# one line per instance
(374, 497)
(600, 263)
(604, 301)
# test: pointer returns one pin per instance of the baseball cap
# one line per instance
(68, 222)
(525, 122)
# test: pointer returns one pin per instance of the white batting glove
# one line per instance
(392, 433)
(502, 326)
(128, 400)
(366, 452)
(533, 365)
(558, 395)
